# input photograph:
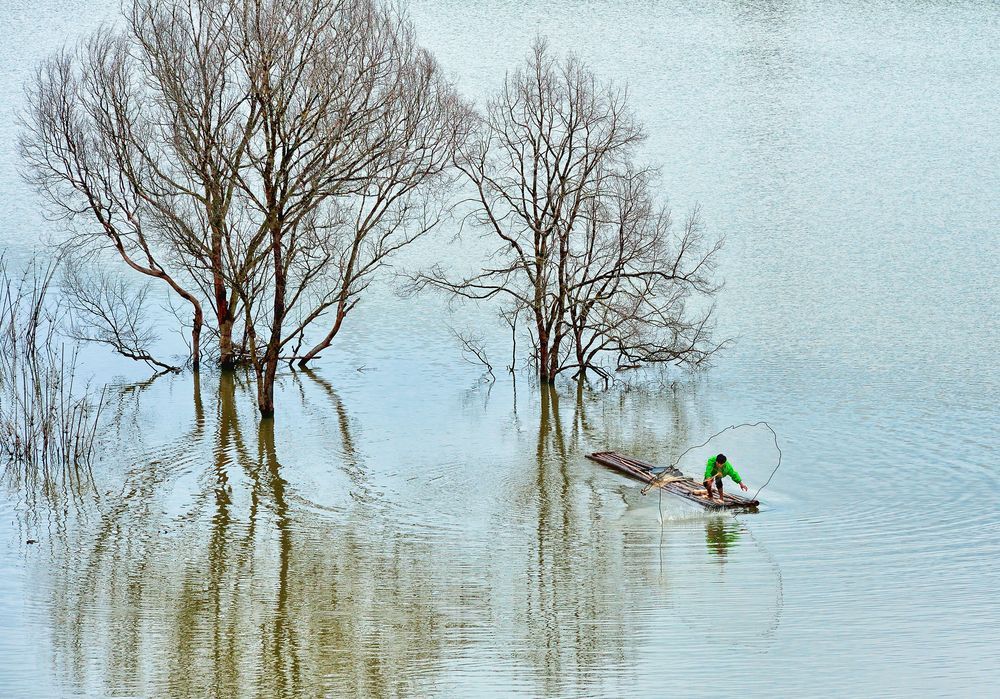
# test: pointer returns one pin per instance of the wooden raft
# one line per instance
(685, 487)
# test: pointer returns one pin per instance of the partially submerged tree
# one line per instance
(586, 256)
(356, 126)
(263, 157)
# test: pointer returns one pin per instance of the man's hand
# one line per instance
(743, 487)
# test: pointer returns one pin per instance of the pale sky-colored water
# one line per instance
(406, 530)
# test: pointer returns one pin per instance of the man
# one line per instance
(715, 469)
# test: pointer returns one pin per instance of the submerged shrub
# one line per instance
(47, 420)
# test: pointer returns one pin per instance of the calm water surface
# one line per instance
(405, 529)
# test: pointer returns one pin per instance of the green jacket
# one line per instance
(713, 470)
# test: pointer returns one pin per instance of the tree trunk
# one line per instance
(227, 353)
(544, 372)
(196, 339)
(265, 383)
(265, 386)
(554, 360)
(222, 311)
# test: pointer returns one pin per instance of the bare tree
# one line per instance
(354, 119)
(200, 120)
(585, 255)
(630, 276)
(263, 157)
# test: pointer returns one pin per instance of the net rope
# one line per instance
(667, 476)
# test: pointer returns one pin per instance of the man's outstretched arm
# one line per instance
(737, 478)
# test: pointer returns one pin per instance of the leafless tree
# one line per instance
(263, 157)
(199, 121)
(354, 118)
(585, 254)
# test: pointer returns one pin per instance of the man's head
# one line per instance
(720, 459)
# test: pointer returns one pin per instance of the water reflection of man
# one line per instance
(717, 467)
(720, 534)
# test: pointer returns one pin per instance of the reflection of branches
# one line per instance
(352, 463)
(241, 581)
(343, 421)
(285, 660)
(568, 544)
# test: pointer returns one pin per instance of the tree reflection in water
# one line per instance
(213, 568)
(241, 594)
(578, 617)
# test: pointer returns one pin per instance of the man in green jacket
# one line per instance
(717, 467)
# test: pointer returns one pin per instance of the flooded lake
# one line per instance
(405, 528)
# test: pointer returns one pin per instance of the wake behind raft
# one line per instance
(670, 480)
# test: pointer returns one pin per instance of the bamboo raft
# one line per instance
(682, 486)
